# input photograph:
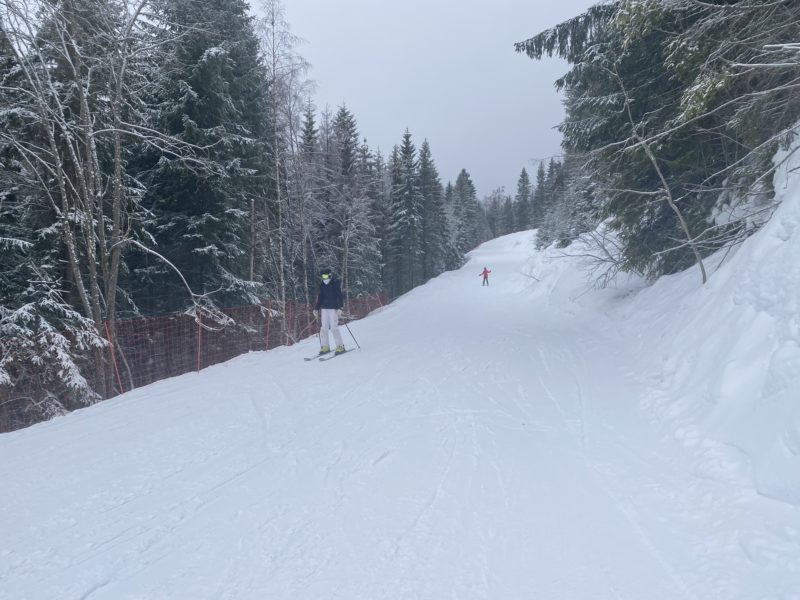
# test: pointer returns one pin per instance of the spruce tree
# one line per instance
(508, 216)
(308, 137)
(454, 258)
(339, 208)
(468, 213)
(539, 198)
(212, 95)
(405, 225)
(380, 213)
(308, 182)
(493, 216)
(45, 344)
(522, 203)
(434, 220)
(366, 252)
(676, 109)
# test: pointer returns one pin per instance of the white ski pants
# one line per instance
(330, 321)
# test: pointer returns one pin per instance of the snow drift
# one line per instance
(728, 354)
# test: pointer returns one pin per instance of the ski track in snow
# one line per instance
(487, 442)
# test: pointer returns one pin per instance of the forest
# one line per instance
(165, 157)
(674, 112)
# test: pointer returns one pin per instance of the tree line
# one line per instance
(542, 205)
(164, 155)
(674, 113)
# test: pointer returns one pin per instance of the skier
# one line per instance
(329, 304)
(485, 274)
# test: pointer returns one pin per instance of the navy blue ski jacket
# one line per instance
(330, 295)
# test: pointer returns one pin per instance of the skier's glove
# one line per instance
(339, 312)
(316, 314)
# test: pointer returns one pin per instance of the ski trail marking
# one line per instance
(426, 507)
(627, 513)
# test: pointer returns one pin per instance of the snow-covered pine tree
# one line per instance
(553, 210)
(581, 201)
(379, 214)
(468, 213)
(498, 212)
(393, 253)
(682, 102)
(508, 216)
(405, 221)
(365, 261)
(492, 208)
(82, 84)
(211, 94)
(454, 258)
(309, 145)
(309, 181)
(573, 208)
(434, 219)
(327, 231)
(344, 190)
(44, 341)
(301, 196)
(45, 344)
(522, 202)
(539, 197)
(340, 211)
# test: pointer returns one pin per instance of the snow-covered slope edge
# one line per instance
(724, 358)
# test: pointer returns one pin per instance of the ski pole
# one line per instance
(352, 336)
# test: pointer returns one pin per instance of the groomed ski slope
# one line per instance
(501, 442)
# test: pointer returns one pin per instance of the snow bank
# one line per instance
(721, 361)
(727, 355)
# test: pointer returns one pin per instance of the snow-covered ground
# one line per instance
(533, 439)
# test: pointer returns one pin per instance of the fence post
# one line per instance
(199, 338)
(113, 357)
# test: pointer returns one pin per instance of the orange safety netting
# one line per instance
(149, 349)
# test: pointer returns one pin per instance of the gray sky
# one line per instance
(445, 70)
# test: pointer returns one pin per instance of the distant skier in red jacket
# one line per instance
(485, 274)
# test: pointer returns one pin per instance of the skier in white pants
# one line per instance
(329, 307)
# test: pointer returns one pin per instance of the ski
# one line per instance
(324, 358)
(316, 356)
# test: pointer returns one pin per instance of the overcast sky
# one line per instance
(447, 71)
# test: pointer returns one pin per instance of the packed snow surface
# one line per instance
(533, 439)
